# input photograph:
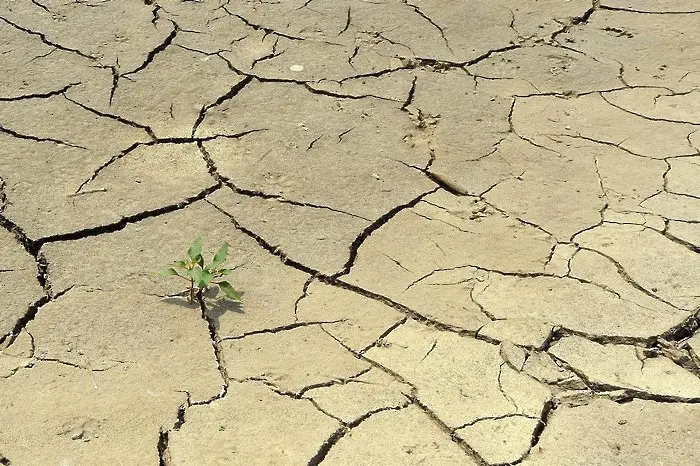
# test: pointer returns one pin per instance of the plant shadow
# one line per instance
(218, 305)
(181, 301)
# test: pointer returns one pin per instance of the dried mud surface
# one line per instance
(466, 232)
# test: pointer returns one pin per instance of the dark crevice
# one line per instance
(273, 54)
(109, 162)
(420, 13)
(43, 95)
(163, 454)
(217, 350)
(327, 445)
(632, 10)
(375, 74)
(274, 250)
(576, 20)
(35, 245)
(188, 140)
(331, 383)
(32, 249)
(347, 23)
(234, 91)
(626, 110)
(685, 329)
(24, 320)
(159, 48)
(562, 332)
(31, 313)
(281, 328)
(304, 294)
(380, 367)
(30, 137)
(547, 411)
(3, 196)
(45, 40)
(259, 194)
(345, 429)
(374, 226)
(611, 144)
(43, 7)
(327, 93)
(493, 418)
(156, 14)
(115, 82)
(428, 322)
(431, 64)
(311, 144)
(447, 430)
(411, 94)
(628, 394)
(114, 117)
(383, 335)
(623, 273)
(444, 183)
(486, 55)
(690, 246)
(258, 27)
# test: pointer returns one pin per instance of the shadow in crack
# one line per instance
(218, 305)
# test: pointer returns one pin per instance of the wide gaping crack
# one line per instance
(31, 313)
(626, 393)
(3, 196)
(164, 434)
(576, 20)
(217, 350)
(645, 12)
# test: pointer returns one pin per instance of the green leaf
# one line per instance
(200, 261)
(222, 272)
(220, 256)
(195, 274)
(168, 272)
(204, 279)
(229, 291)
(181, 264)
(196, 249)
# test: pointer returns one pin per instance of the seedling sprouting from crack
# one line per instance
(201, 276)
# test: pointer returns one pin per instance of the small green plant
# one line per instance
(201, 276)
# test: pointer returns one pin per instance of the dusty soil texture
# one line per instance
(467, 232)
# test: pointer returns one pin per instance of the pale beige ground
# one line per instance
(466, 232)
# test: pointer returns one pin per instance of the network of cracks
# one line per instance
(465, 232)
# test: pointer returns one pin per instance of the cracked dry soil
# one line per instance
(467, 232)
